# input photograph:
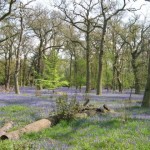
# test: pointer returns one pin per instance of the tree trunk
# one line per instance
(114, 79)
(24, 71)
(100, 71)
(135, 72)
(17, 67)
(39, 65)
(75, 73)
(70, 72)
(100, 64)
(8, 70)
(7, 76)
(119, 81)
(16, 80)
(146, 98)
(88, 68)
(20, 73)
(115, 61)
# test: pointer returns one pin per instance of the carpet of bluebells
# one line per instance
(46, 98)
(32, 105)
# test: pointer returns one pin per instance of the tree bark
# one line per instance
(146, 98)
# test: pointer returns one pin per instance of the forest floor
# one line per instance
(46, 99)
(32, 105)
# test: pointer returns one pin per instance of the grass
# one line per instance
(109, 134)
(13, 108)
(20, 115)
(103, 132)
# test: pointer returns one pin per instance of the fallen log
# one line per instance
(51, 121)
(33, 127)
(6, 127)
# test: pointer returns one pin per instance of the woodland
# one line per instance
(74, 56)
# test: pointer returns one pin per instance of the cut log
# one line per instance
(33, 127)
(6, 127)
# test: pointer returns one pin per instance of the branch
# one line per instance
(117, 11)
(9, 11)
(2, 40)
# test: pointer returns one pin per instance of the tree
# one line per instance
(76, 54)
(146, 98)
(6, 8)
(117, 53)
(134, 36)
(7, 52)
(44, 27)
(21, 28)
(27, 50)
(18, 50)
(81, 16)
(108, 9)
